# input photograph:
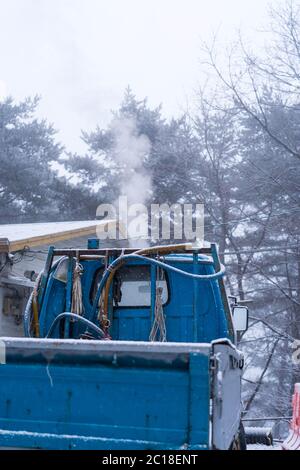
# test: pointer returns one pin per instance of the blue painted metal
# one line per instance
(153, 292)
(123, 259)
(182, 316)
(104, 394)
(199, 396)
(45, 274)
(196, 318)
(42, 290)
(93, 243)
(70, 394)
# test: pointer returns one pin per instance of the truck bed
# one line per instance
(103, 394)
(77, 394)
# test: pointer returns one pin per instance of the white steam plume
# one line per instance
(130, 151)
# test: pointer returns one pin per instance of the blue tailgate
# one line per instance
(77, 394)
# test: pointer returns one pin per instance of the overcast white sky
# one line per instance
(80, 55)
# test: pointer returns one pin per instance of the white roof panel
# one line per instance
(15, 237)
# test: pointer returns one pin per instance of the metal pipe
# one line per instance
(118, 251)
(277, 418)
(195, 298)
(69, 289)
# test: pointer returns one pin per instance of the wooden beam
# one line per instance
(7, 246)
(4, 245)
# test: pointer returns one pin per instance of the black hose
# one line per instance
(75, 317)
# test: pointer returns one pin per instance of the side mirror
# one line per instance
(240, 315)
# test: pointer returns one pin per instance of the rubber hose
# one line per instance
(76, 318)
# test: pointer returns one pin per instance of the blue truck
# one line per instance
(125, 349)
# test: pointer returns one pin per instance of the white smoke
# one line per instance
(130, 150)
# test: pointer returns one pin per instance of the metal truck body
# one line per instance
(76, 391)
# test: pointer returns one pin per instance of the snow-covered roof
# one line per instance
(14, 237)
